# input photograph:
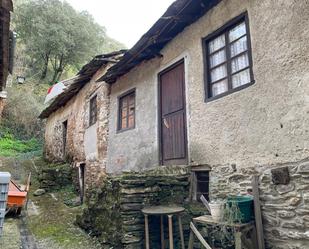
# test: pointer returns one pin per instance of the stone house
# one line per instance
(221, 87)
(77, 118)
(6, 6)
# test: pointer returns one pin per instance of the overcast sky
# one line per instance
(125, 20)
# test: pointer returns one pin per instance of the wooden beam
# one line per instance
(199, 236)
(257, 212)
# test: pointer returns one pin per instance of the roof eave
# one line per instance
(178, 16)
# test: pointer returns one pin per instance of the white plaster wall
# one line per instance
(136, 148)
(264, 123)
(90, 143)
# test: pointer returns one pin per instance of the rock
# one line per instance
(282, 189)
(302, 211)
(280, 175)
(271, 221)
(286, 214)
(39, 192)
(304, 168)
(295, 201)
(237, 177)
(306, 198)
(75, 202)
(299, 224)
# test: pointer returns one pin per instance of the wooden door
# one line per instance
(172, 121)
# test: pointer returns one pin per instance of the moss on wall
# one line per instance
(55, 175)
(113, 213)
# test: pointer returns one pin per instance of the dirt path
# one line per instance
(47, 223)
(27, 240)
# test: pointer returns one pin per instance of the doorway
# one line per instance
(172, 116)
(81, 178)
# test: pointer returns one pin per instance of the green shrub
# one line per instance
(10, 146)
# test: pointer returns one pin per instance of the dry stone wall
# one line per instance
(285, 207)
(114, 212)
(76, 113)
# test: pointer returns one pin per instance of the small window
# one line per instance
(127, 111)
(200, 184)
(64, 136)
(93, 111)
(228, 55)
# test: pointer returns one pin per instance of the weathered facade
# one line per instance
(6, 6)
(69, 134)
(252, 129)
(248, 132)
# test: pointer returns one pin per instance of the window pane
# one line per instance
(131, 121)
(239, 46)
(241, 78)
(237, 32)
(219, 87)
(218, 73)
(131, 109)
(217, 58)
(240, 62)
(124, 112)
(131, 99)
(217, 43)
(124, 123)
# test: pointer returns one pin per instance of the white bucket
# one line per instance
(216, 209)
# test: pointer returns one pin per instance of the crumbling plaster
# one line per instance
(264, 123)
(82, 143)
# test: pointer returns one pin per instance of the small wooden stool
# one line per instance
(169, 211)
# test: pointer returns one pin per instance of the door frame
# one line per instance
(160, 73)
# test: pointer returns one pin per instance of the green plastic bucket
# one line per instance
(245, 205)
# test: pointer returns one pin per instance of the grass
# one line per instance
(10, 146)
(48, 219)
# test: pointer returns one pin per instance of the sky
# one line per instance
(124, 20)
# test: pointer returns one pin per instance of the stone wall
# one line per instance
(54, 176)
(81, 136)
(285, 207)
(119, 202)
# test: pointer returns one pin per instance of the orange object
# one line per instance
(16, 197)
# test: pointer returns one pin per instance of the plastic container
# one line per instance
(5, 178)
(245, 205)
(217, 210)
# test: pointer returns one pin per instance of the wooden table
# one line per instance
(161, 211)
(241, 229)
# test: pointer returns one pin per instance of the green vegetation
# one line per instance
(53, 42)
(57, 38)
(10, 146)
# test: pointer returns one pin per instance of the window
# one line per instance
(228, 58)
(64, 136)
(93, 111)
(202, 184)
(126, 117)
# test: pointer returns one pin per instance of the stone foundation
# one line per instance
(55, 176)
(285, 207)
(114, 212)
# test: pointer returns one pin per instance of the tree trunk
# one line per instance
(45, 66)
(58, 69)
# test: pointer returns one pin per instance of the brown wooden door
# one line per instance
(173, 134)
